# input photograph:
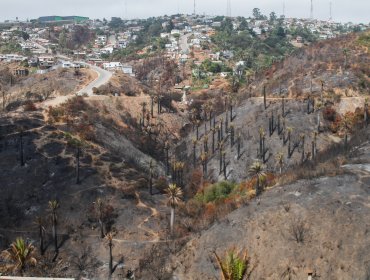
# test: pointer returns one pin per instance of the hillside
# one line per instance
(129, 140)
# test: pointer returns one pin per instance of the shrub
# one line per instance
(218, 191)
(30, 106)
(329, 114)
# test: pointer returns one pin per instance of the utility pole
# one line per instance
(311, 13)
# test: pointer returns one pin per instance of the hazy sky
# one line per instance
(342, 10)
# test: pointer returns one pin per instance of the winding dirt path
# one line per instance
(154, 213)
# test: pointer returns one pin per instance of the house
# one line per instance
(33, 62)
(20, 72)
(127, 69)
(46, 61)
(113, 66)
(107, 50)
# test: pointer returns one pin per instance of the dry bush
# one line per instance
(195, 182)
(30, 106)
(298, 230)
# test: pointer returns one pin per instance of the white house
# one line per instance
(113, 66)
(127, 69)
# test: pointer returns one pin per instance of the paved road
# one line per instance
(103, 78)
(184, 46)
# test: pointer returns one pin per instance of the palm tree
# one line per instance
(262, 135)
(143, 110)
(78, 153)
(20, 255)
(213, 130)
(151, 170)
(195, 141)
(257, 171)
(109, 239)
(234, 266)
(238, 139)
(289, 129)
(40, 225)
(167, 148)
(345, 52)
(203, 158)
(232, 134)
(99, 204)
(314, 145)
(302, 140)
(152, 105)
(53, 206)
(366, 117)
(197, 123)
(174, 194)
(280, 161)
(21, 152)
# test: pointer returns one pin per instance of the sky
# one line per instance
(342, 10)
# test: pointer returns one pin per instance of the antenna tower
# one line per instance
(228, 11)
(284, 9)
(331, 16)
(194, 8)
(311, 13)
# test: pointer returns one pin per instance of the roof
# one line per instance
(61, 18)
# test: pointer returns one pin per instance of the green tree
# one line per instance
(235, 266)
(53, 206)
(257, 13)
(109, 240)
(19, 256)
(174, 194)
(257, 171)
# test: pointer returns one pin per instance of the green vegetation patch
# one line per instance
(215, 192)
(365, 39)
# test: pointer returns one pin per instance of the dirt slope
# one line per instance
(335, 214)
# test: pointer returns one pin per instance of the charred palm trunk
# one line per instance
(264, 97)
(151, 182)
(21, 152)
(152, 106)
(239, 144)
(303, 151)
(78, 165)
(213, 140)
(289, 144)
(110, 244)
(224, 165)
(167, 160)
(41, 237)
(232, 132)
(54, 232)
(194, 155)
(220, 160)
(226, 123)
